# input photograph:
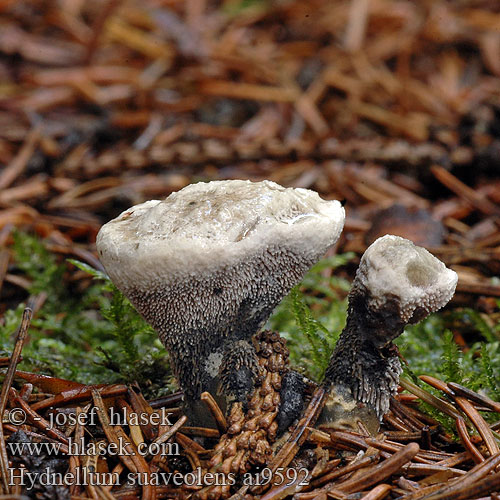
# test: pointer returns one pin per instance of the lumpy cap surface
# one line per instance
(208, 225)
(393, 267)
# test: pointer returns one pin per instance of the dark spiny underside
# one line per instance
(364, 360)
(202, 315)
(238, 371)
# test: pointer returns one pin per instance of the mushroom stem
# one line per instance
(397, 283)
(206, 267)
(359, 366)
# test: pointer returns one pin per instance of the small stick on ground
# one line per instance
(378, 492)
(381, 471)
(480, 424)
(300, 433)
(427, 397)
(9, 377)
(213, 407)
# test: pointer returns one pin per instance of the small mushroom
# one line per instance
(206, 267)
(397, 283)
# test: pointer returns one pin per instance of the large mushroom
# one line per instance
(397, 283)
(206, 267)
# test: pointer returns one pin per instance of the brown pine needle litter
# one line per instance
(120, 448)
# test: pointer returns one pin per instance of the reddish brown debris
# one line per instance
(251, 432)
(307, 463)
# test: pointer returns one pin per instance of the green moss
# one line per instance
(430, 349)
(312, 316)
(90, 337)
(96, 336)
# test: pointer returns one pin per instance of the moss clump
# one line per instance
(91, 337)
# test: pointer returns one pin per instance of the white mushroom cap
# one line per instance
(396, 283)
(212, 225)
(210, 262)
(394, 268)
